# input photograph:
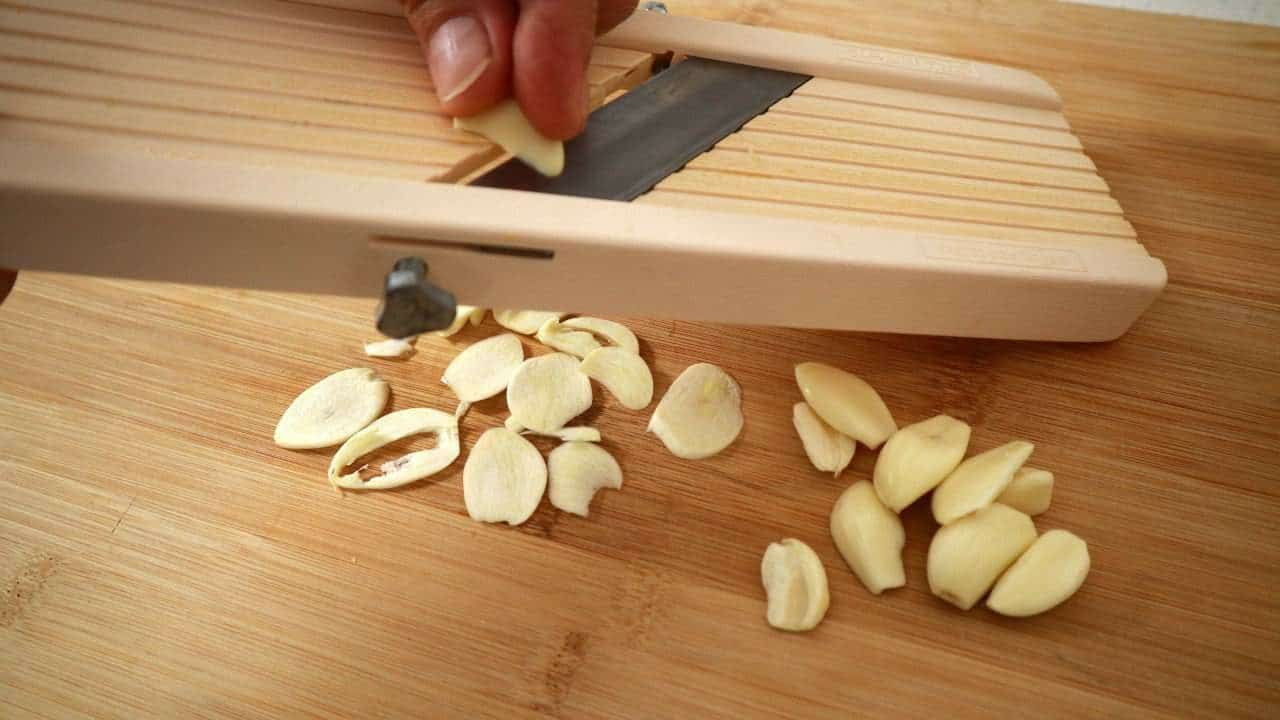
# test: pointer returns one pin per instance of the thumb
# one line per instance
(467, 44)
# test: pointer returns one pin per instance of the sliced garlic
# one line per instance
(485, 368)
(870, 538)
(919, 457)
(828, 450)
(795, 584)
(513, 425)
(392, 348)
(465, 314)
(548, 391)
(1048, 573)
(556, 336)
(575, 471)
(506, 125)
(846, 402)
(579, 433)
(332, 410)
(1030, 491)
(525, 322)
(700, 415)
(978, 481)
(967, 556)
(623, 373)
(503, 479)
(408, 468)
(615, 334)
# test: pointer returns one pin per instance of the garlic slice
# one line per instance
(548, 391)
(485, 368)
(978, 481)
(795, 583)
(616, 334)
(403, 470)
(556, 336)
(391, 348)
(578, 433)
(575, 471)
(828, 450)
(464, 314)
(513, 425)
(623, 373)
(506, 125)
(525, 322)
(503, 479)
(846, 402)
(700, 415)
(332, 410)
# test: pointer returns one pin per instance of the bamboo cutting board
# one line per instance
(159, 557)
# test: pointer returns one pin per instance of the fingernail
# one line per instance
(458, 54)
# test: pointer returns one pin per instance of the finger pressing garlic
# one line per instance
(484, 369)
(795, 584)
(1048, 573)
(408, 468)
(503, 479)
(525, 322)
(917, 458)
(623, 373)
(576, 470)
(615, 334)
(870, 538)
(557, 336)
(967, 556)
(548, 391)
(700, 415)
(332, 410)
(846, 402)
(828, 450)
(1030, 491)
(464, 314)
(978, 481)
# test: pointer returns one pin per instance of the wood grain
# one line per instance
(159, 557)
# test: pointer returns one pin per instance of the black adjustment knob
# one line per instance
(410, 304)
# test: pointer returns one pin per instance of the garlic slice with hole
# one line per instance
(623, 373)
(578, 433)
(1030, 491)
(870, 538)
(525, 322)
(828, 450)
(575, 471)
(967, 556)
(700, 415)
(614, 333)
(548, 391)
(408, 468)
(506, 125)
(332, 410)
(978, 481)
(795, 584)
(503, 479)
(846, 402)
(464, 314)
(919, 457)
(485, 368)
(391, 348)
(1048, 573)
(556, 336)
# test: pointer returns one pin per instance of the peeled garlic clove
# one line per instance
(846, 403)
(332, 410)
(408, 468)
(700, 415)
(1048, 573)
(393, 348)
(870, 538)
(967, 556)
(795, 583)
(919, 457)
(580, 433)
(504, 478)
(556, 336)
(548, 391)
(525, 322)
(1030, 491)
(623, 373)
(575, 471)
(464, 314)
(484, 369)
(978, 481)
(828, 450)
(506, 125)
(615, 334)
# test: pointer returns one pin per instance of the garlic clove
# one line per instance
(967, 556)
(503, 479)
(700, 415)
(548, 391)
(846, 402)
(575, 471)
(623, 373)
(556, 336)
(795, 584)
(525, 322)
(485, 368)
(1048, 573)
(1030, 491)
(408, 468)
(828, 450)
(615, 334)
(506, 125)
(919, 457)
(978, 481)
(332, 410)
(870, 538)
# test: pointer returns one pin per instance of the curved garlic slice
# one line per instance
(332, 410)
(408, 468)
(616, 334)
(464, 314)
(556, 336)
(575, 470)
(828, 449)
(846, 402)
(391, 348)
(795, 583)
(578, 433)
(484, 369)
(548, 391)
(700, 415)
(623, 373)
(525, 322)
(504, 478)
(506, 125)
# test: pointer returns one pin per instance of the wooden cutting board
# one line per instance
(159, 557)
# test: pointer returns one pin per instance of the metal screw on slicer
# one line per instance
(411, 305)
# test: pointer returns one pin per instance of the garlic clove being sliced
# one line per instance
(391, 348)
(828, 450)
(506, 125)
(503, 479)
(1048, 573)
(548, 391)
(978, 481)
(575, 471)
(615, 334)
(700, 415)
(967, 556)
(870, 538)
(485, 368)
(525, 322)
(623, 373)
(1030, 491)
(795, 583)
(556, 336)
(919, 457)
(846, 402)
(332, 410)
(465, 314)
(408, 468)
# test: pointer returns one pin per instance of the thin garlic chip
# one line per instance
(525, 322)
(484, 369)
(556, 336)
(548, 391)
(623, 373)
(465, 314)
(408, 468)
(578, 433)
(332, 410)
(575, 471)
(795, 583)
(615, 334)
(506, 125)
(504, 478)
(827, 448)
(700, 415)
(389, 348)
